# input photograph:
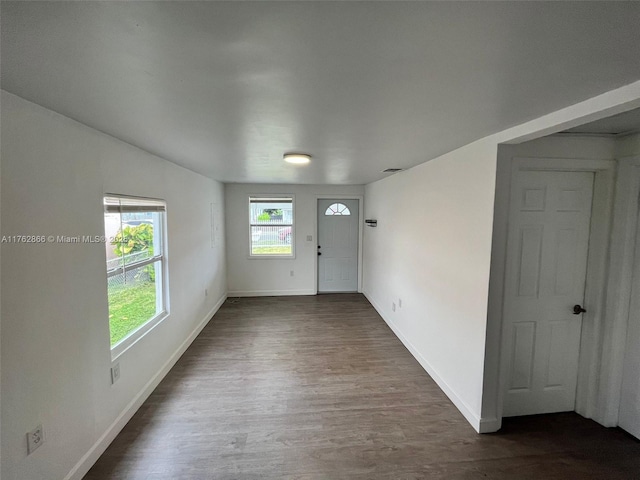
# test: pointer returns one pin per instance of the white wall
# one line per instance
(56, 356)
(628, 146)
(0, 292)
(268, 276)
(432, 249)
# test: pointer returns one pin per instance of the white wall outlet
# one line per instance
(399, 303)
(393, 306)
(115, 373)
(309, 238)
(291, 273)
(206, 292)
(35, 438)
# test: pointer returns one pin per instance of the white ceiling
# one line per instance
(226, 88)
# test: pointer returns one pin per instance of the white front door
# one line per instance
(337, 245)
(545, 278)
(629, 416)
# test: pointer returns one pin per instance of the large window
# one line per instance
(134, 231)
(271, 226)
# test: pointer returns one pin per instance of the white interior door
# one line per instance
(629, 416)
(545, 277)
(337, 245)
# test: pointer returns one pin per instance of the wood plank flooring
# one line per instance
(320, 388)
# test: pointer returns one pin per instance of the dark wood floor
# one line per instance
(320, 388)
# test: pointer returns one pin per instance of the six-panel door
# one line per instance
(546, 270)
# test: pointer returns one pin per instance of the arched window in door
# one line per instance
(337, 209)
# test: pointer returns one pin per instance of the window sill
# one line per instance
(271, 257)
(129, 341)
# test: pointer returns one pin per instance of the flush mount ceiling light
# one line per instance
(297, 158)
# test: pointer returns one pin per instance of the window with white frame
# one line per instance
(271, 226)
(135, 249)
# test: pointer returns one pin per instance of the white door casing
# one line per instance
(338, 234)
(629, 415)
(546, 269)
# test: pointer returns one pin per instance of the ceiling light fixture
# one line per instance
(297, 158)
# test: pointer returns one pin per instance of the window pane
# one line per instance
(270, 212)
(271, 225)
(271, 240)
(136, 237)
(337, 209)
(134, 230)
(134, 299)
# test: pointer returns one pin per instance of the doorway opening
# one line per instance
(529, 344)
(554, 198)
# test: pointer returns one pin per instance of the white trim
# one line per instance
(625, 218)
(136, 335)
(593, 321)
(81, 468)
(468, 413)
(269, 293)
(596, 284)
(489, 425)
(360, 199)
(605, 105)
(162, 300)
(628, 391)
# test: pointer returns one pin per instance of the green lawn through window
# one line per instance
(130, 307)
(275, 250)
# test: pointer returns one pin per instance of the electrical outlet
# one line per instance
(291, 273)
(399, 303)
(393, 306)
(115, 373)
(35, 438)
(206, 292)
(309, 238)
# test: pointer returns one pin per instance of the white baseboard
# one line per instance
(466, 411)
(269, 293)
(86, 462)
(490, 425)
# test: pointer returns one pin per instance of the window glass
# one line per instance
(337, 209)
(134, 231)
(271, 226)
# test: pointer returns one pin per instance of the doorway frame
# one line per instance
(592, 334)
(626, 215)
(360, 199)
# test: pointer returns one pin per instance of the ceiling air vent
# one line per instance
(392, 170)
